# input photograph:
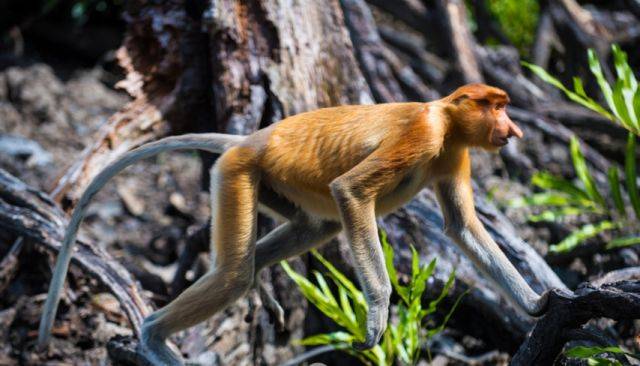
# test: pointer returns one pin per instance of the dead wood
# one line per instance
(568, 312)
(389, 77)
(462, 41)
(370, 51)
(429, 66)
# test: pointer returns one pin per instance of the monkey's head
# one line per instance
(479, 116)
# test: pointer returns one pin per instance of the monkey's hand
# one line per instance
(376, 324)
(546, 300)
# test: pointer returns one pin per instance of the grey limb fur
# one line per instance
(213, 142)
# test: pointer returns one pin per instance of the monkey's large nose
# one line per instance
(514, 130)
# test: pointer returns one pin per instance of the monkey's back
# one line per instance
(304, 153)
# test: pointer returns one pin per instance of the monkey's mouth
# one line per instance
(501, 141)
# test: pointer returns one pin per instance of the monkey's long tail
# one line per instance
(213, 142)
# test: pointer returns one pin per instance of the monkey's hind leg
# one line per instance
(233, 222)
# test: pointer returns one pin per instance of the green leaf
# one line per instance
(614, 186)
(600, 361)
(547, 180)
(624, 242)
(582, 234)
(335, 338)
(583, 173)
(325, 288)
(550, 199)
(584, 352)
(579, 87)
(341, 278)
(345, 304)
(622, 67)
(402, 291)
(415, 263)
(557, 215)
(636, 109)
(445, 290)
(420, 284)
(578, 97)
(312, 293)
(596, 70)
(621, 105)
(440, 328)
(629, 85)
(631, 174)
(327, 305)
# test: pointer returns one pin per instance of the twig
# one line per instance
(9, 264)
(312, 353)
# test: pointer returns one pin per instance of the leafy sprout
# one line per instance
(345, 304)
(600, 356)
(561, 198)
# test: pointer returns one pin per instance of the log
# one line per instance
(568, 312)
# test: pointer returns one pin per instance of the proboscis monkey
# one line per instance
(324, 171)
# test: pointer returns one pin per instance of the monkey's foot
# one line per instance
(376, 325)
(159, 353)
(552, 295)
(154, 348)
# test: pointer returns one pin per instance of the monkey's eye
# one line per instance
(499, 107)
(483, 102)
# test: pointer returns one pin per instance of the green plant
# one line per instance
(518, 19)
(403, 339)
(599, 356)
(80, 10)
(561, 198)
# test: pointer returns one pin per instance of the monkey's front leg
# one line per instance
(359, 223)
(462, 225)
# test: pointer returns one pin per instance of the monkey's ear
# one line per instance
(459, 99)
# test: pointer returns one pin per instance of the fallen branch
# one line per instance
(568, 312)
